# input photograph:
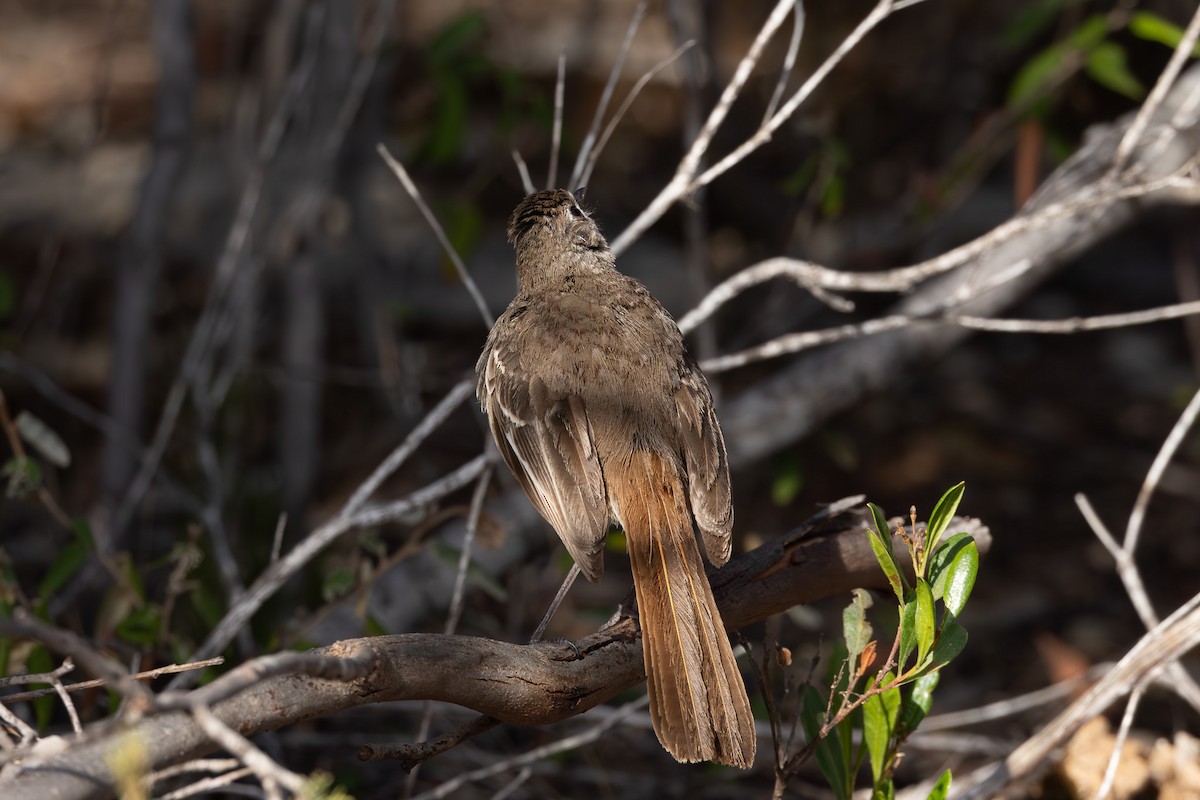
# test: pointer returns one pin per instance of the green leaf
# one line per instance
(917, 702)
(1034, 79)
(83, 533)
(68, 561)
(141, 625)
(827, 753)
(39, 661)
(1033, 19)
(960, 578)
(942, 557)
(449, 121)
(908, 633)
(1153, 28)
(464, 226)
(880, 715)
(457, 39)
(789, 480)
(884, 790)
(855, 628)
(1090, 33)
(941, 515)
(24, 476)
(926, 619)
(881, 545)
(950, 643)
(1107, 66)
(940, 789)
(337, 583)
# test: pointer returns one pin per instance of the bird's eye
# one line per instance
(577, 212)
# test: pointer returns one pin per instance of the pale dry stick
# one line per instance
(1165, 644)
(687, 25)
(878, 14)
(277, 540)
(1123, 554)
(512, 786)
(200, 344)
(150, 674)
(789, 61)
(1187, 420)
(795, 342)
(1166, 79)
(38, 677)
(560, 83)
(195, 765)
(23, 626)
(523, 171)
(361, 78)
(581, 158)
(1100, 322)
(464, 558)
(790, 343)
(678, 184)
(264, 767)
(647, 76)
(1012, 706)
(27, 733)
(537, 754)
(355, 513)
(456, 605)
(1110, 771)
(402, 174)
(437, 415)
(808, 275)
(57, 685)
(209, 785)
(686, 179)
(336, 135)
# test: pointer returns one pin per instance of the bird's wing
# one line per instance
(547, 442)
(703, 450)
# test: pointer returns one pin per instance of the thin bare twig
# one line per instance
(411, 756)
(648, 76)
(808, 275)
(1164, 644)
(686, 179)
(535, 755)
(402, 174)
(277, 574)
(147, 675)
(523, 171)
(265, 767)
(1166, 79)
(560, 84)
(1123, 554)
(1131, 705)
(23, 626)
(581, 158)
(209, 785)
(789, 61)
(464, 558)
(456, 604)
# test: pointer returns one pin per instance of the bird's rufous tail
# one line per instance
(698, 703)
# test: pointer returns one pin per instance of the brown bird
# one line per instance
(603, 415)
